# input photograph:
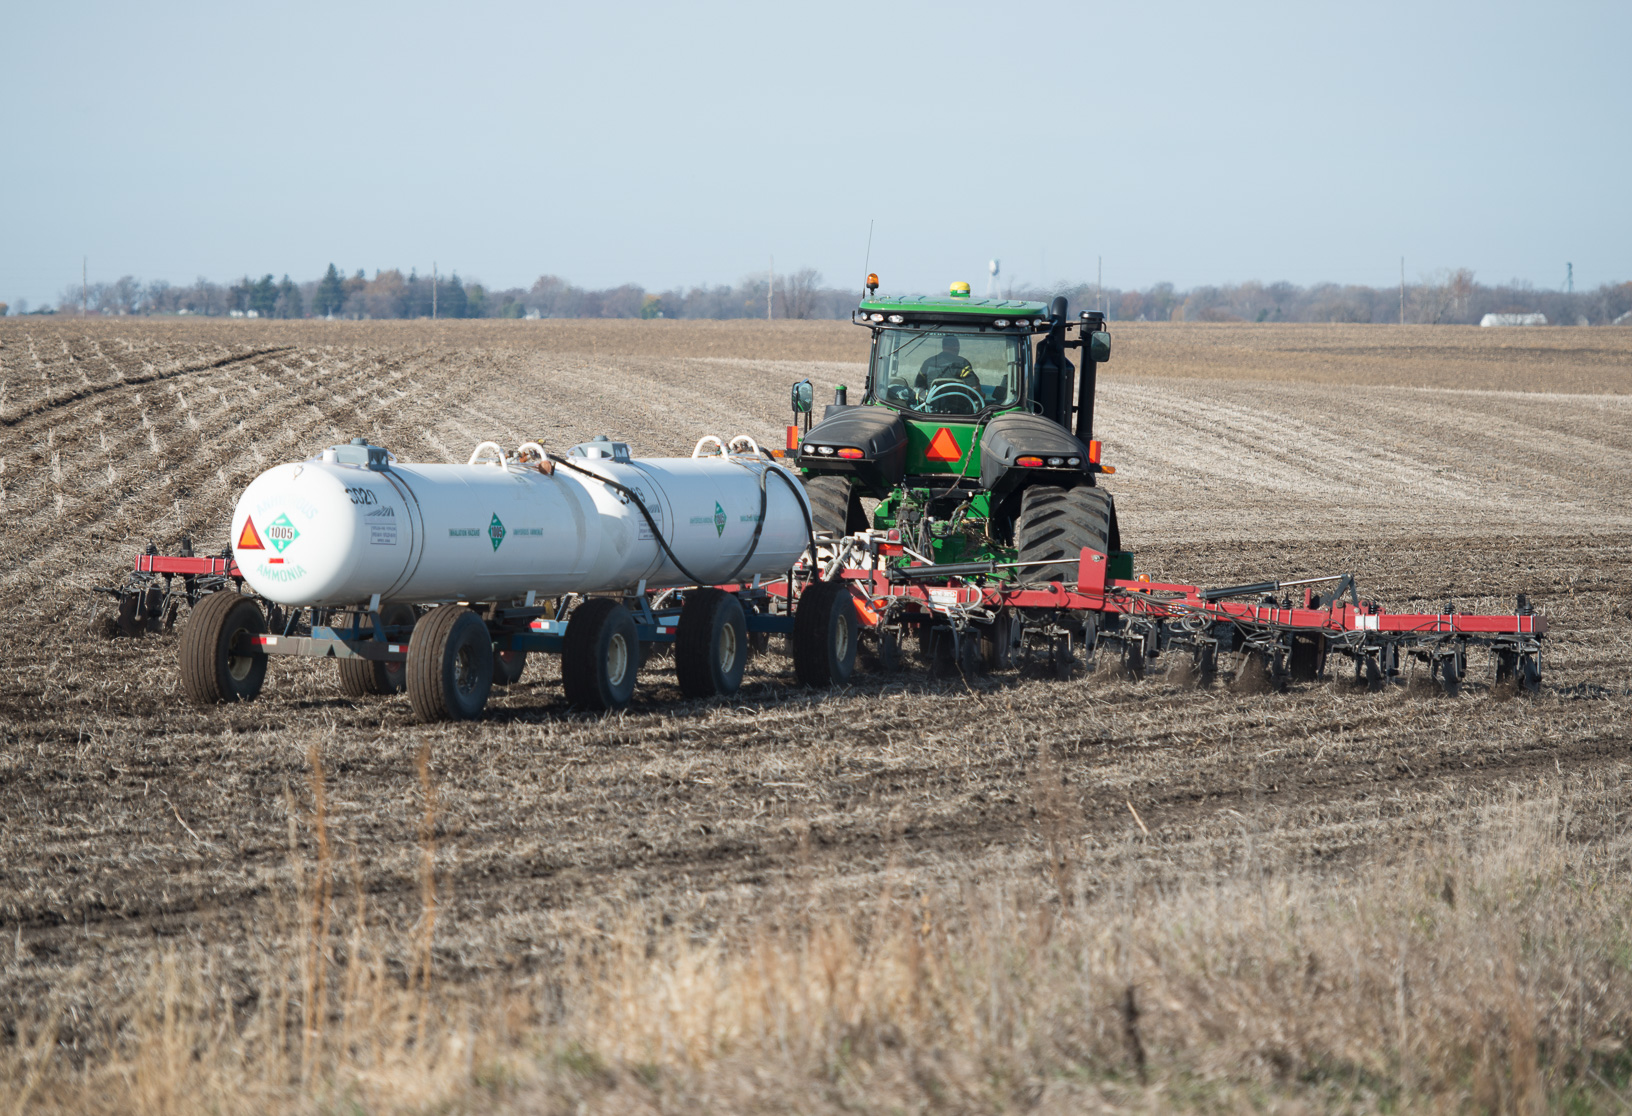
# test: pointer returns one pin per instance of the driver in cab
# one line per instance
(946, 365)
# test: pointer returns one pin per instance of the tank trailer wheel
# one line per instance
(711, 645)
(601, 656)
(450, 665)
(219, 659)
(508, 667)
(1055, 524)
(361, 677)
(824, 635)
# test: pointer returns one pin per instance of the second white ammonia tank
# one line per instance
(337, 529)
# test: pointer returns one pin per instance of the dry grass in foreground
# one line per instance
(1489, 972)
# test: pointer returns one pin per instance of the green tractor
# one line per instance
(973, 437)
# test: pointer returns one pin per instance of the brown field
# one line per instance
(908, 895)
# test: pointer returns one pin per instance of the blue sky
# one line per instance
(681, 144)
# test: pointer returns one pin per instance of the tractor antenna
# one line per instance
(869, 260)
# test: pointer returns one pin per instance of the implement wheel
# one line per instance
(601, 656)
(1055, 524)
(361, 677)
(824, 635)
(450, 665)
(711, 644)
(220, 660)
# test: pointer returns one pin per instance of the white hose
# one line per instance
(534, 446)
(476, 453)
(753, 446)
(703, 441)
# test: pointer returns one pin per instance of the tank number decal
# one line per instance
(363, 496)
(281, 533)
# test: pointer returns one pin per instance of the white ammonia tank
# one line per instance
(339, 528)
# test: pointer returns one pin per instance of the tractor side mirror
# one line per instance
(1099, 347)
(803, 397)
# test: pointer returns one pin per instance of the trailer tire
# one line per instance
(362, 677)
(711, 644)
(824, 635)
(601, 656)
(1054, 526)
(835, 506)
(508, 667)
(450, 665)
(219, 662)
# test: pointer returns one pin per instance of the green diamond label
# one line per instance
(719, 519)
(280, 533)
(495, 531)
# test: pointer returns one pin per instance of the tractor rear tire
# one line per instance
(450, 665)
(824, 635)
(1054, 526)
(711, 644)
(601, 656)
(835, 507)
(361, 677)
(219, 659)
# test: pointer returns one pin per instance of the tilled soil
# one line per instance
(127, 815)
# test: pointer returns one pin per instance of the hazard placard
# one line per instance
(248, 539)
(944, 447)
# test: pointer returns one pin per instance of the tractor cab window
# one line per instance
(947, 372)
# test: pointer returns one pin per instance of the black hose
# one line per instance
(657, 533)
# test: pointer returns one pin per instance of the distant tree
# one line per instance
(263, 298)
(331, 294)
(796, 293)
(289, 301)
(475, 301)
(386, 295)
(451, 299)
(651, 306)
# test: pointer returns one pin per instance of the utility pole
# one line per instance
(84, 288)
(1402, 290)
(770, 288)
(1099, 286)
(433, 290)
(1569, 278)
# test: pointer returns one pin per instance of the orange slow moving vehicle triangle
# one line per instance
(944, 447)
(248, 539)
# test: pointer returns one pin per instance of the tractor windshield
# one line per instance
(946, 372)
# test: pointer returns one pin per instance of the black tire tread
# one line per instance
(812, 630)
(426, 690)
(580, 679)
(202, 671)
(834, 509)
(694, 655)
(1056, 524)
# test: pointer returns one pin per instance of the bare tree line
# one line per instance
(1445, 297)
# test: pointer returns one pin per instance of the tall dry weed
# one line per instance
(1489, 970)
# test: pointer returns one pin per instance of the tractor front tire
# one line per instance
(835, 507)
(601, 656)
(711, 645)
(220, 660)
(1054, 526)
(450, 665)
(824, 635)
